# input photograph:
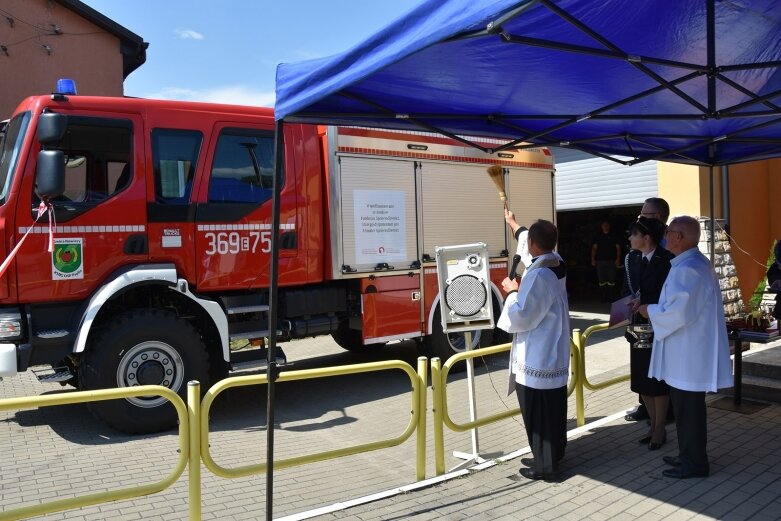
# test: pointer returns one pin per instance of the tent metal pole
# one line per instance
(712, 239)
(271, 360)
(610, 45)
(725, 194)
(601, 53)
(737, 86)
(710, 30)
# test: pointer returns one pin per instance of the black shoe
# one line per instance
(644, 441)
(678, 473)
(534, 475)
(529, 462)
(675, 461)
(656, 446)
(637, 415)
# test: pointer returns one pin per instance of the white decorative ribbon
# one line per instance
(42, 209)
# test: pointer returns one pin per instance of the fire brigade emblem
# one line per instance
(67, 261)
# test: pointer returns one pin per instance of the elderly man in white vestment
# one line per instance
(690, 350)
(538, 315)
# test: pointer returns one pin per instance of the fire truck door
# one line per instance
(100, 218)
(233, 216)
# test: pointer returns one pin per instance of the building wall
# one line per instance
(679, 185)
(82, 51)
(755, 218)
(754, 215)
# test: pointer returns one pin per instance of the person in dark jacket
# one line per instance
(647, 266)
(774, 279)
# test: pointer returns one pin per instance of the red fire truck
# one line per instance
(151, 263)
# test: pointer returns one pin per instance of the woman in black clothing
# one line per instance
(647, 266)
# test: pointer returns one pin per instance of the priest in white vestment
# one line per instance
(690, 350)
(538, 316)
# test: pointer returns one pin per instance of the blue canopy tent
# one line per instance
(685, 81)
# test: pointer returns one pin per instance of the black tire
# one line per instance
(144, 347)
(351, 340)
(439, 344)
(348, 339)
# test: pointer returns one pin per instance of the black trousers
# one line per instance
(692, 427)
(544, 414)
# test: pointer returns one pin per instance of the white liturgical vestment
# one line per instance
(690, 350)
(538, 314)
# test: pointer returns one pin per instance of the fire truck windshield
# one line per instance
(11, 144)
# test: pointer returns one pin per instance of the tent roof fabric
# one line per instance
(685, 81)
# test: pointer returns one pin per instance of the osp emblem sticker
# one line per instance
(67, 259)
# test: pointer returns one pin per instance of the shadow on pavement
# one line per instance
(607, 472)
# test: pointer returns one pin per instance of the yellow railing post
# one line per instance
(584, 337)
(580, 409)
(437, 388)
(194, 462)
(422, 405)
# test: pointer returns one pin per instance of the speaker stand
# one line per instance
(474, 457)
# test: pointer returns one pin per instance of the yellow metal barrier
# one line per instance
(95, 396)
(580, 340)
(439, 375)
(601, 385)
(417, 421)
(194, 477)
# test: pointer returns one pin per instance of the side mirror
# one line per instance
(50, 174)
(51, 127)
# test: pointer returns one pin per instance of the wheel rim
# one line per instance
(457, 341)
(150, 363)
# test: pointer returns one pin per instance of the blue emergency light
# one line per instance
(66, 86)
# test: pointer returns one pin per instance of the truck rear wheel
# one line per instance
(444, 345)
(351, 340)
(144, 347)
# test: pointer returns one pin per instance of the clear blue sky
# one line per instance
(227, 51)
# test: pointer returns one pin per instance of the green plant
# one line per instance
(756, 297)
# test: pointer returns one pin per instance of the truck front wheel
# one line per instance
(144, 347)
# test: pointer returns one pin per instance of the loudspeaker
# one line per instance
(464, 287)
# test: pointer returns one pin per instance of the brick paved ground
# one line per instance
(57, 452)
(609, 476)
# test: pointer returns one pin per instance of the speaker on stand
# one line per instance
(465, 305)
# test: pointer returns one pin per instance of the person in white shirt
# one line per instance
(690, 350)
(538, 316)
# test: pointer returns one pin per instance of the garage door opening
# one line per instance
(577, 231)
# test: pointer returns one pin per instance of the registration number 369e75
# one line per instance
(225, 243)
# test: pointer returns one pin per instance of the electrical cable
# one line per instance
(732, 240)
(498, 394)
